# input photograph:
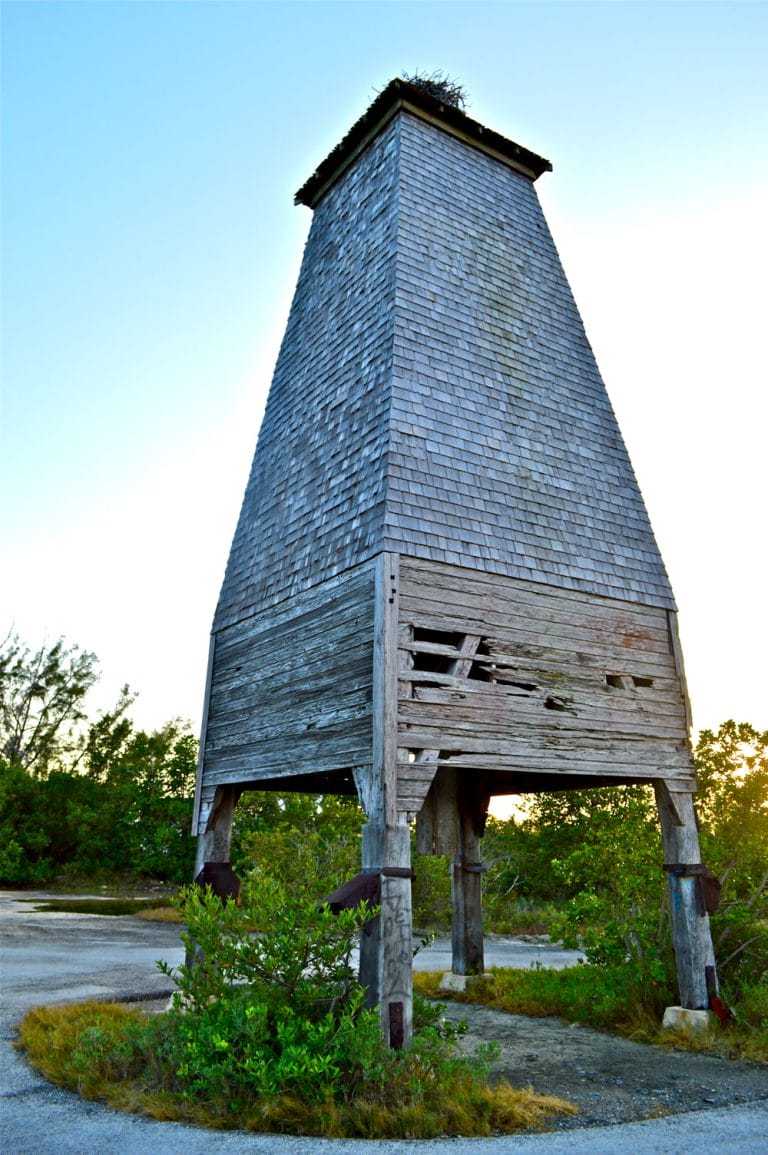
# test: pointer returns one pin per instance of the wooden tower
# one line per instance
(443, 585)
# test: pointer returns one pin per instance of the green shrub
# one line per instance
(270, 1032)
(274, 1007)
(432, 891)
(301, 955)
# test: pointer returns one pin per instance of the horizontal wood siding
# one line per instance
(561, 683)
(291, 688)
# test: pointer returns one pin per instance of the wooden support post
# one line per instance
(213, 845)
(467, 903)
(694, 953)
(386, 953)
(436, 822)
(386, 947)
(466, 882)
(370, 938)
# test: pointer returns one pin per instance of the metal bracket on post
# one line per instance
(221, 879)
(708, 888)
(396, 1026)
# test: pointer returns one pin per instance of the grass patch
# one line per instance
(610, 999)
(744, 1038)
(144, 907)
(523, 917)
(156, 913)
(581, 994)
(127, 1060)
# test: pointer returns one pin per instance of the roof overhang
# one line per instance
(401, 96)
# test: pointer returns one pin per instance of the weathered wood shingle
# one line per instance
(314, 504)
(505, 454)
(435, 394)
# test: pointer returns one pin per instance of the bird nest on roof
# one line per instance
(440, 86)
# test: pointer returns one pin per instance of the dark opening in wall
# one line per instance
(627, 681)
(435, 663)
(439, 637)
(484, 672)
(554, 704)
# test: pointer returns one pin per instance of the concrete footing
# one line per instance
(453, 982)
(686, 1021)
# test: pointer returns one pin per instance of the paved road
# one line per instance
(51, 958)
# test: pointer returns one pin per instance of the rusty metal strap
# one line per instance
(396, 1025)
(397, 872)
(708, 885)
(473, 867)
(364, 887)
(222, 880)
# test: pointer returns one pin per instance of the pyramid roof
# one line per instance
(435, 394)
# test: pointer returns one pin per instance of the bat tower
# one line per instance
(443, 585)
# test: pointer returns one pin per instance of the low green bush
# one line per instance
(274, 1006)
(269, 1031)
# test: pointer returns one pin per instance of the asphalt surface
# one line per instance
(50, 958)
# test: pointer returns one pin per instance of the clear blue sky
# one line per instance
(150, 152)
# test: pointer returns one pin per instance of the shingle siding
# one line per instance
(504, 444)
(435, 394)
(314, 504)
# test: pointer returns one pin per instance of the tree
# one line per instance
(145, 783)
(310, 842)
(106, 738)
(732, 807)
(98, 798)
(41, 701)
(604, 848)
(24, 850)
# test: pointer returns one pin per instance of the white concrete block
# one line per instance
(452, 982)
(689, 1022)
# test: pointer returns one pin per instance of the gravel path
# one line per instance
(612, 1080)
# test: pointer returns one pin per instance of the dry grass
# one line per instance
(91, 1048)
(52, 1037)
(576, 994)
(160, 914)
(738, 1041)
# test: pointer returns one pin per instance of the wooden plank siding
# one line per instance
(562, 684)
(291, 689)
(535, 686)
